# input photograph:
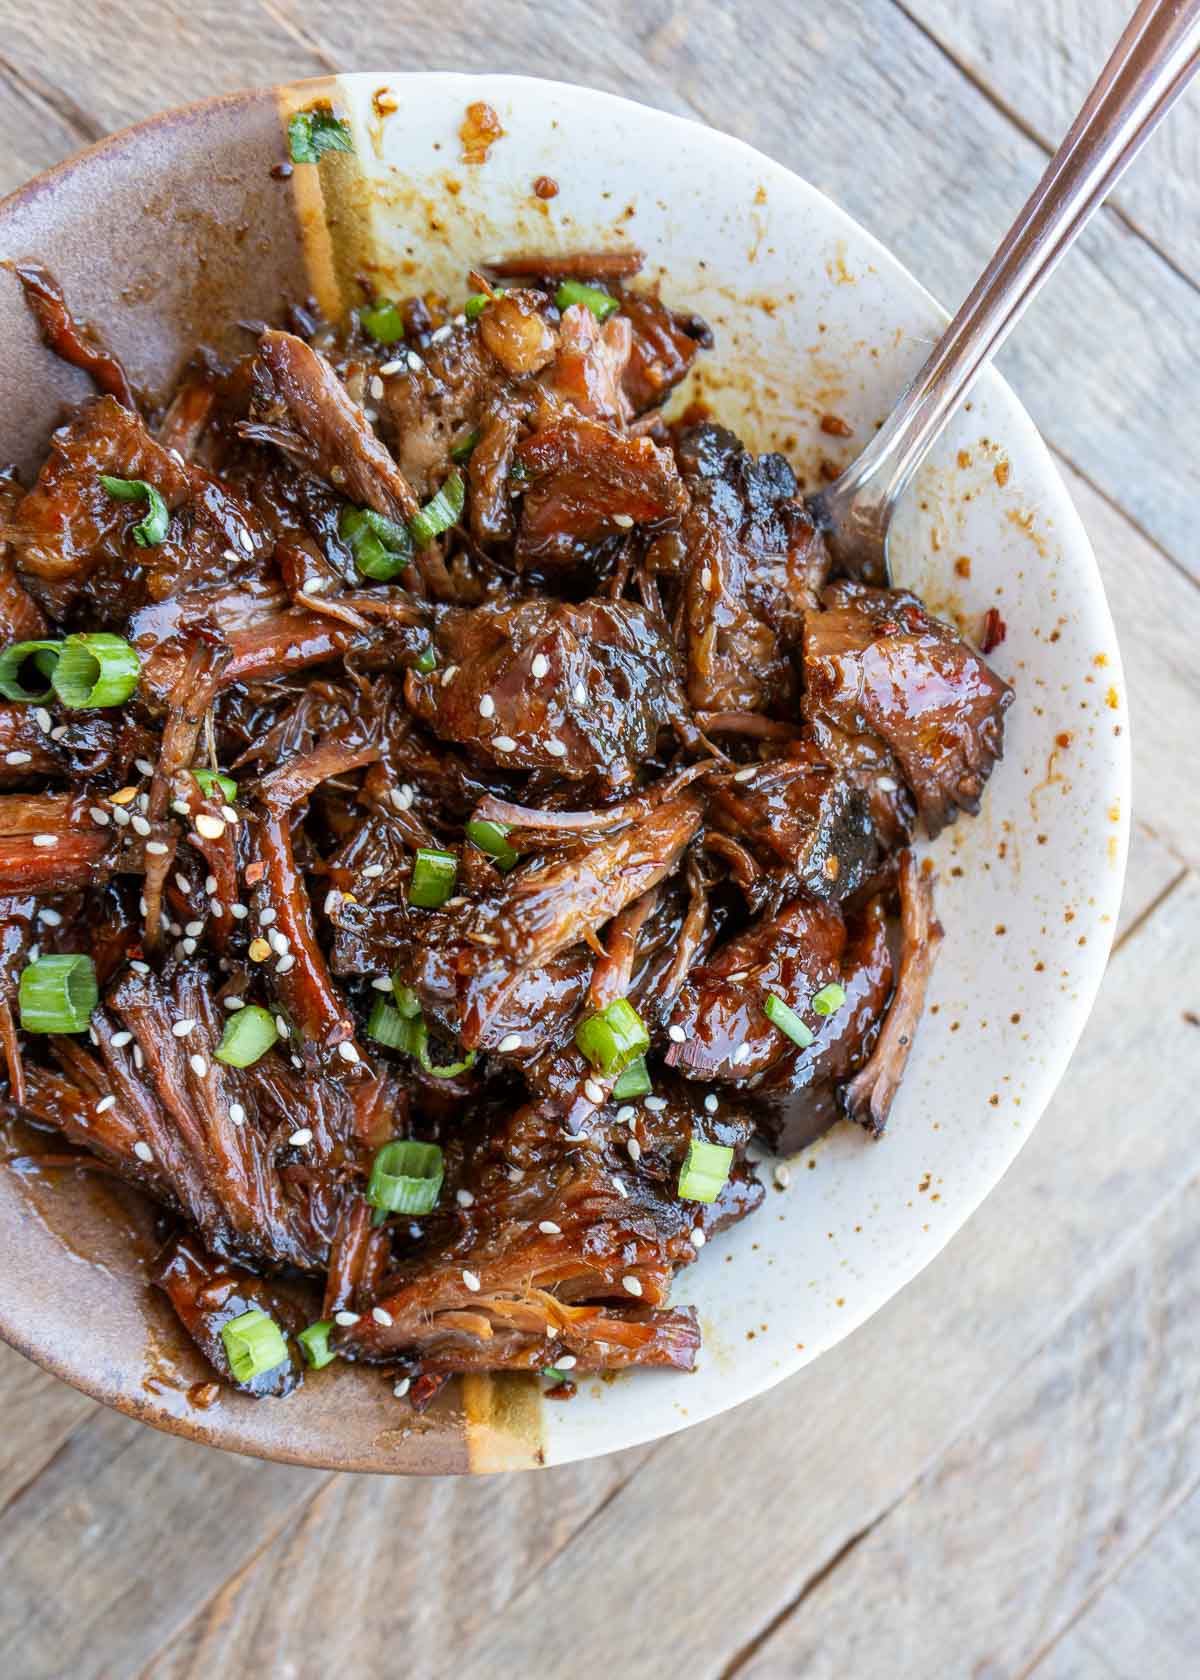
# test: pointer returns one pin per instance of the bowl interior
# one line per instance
(812, 319)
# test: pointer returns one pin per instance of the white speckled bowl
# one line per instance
(811, 317)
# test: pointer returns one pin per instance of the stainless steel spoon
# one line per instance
(1150, 66)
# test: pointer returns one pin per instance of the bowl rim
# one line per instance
(224, 1432)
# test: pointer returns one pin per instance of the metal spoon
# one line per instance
(1150, 66)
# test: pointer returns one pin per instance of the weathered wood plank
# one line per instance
(38, 126)
(412, 1567)
(1144, 1622)
(1039, 64)
(1153, 869)
(39, 1414)
(772, 1492)
(1055, 1485)
(124, 1534)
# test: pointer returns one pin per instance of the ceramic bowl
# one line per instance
(166, 235)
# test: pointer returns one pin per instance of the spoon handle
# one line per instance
(1148, 70)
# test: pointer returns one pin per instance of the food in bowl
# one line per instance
(454, 811)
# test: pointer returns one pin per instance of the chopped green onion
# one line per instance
(433, 878)
(253, 1344)
(779, 1015)
(382, 321)
(705, 1170)
(406, 1177)
(634, 1082)
(439, 1070)
(313, 133)
(518, 472)
(57, 994)
(492, 838)
(554, 1374)
(212, 782)
(314, 1344)
(380, 547)
(441, 512)
(95, 670)
(153, 528)
(462, 451)
(15, 682)
(248, 1035)
(601, 304)
(478, 302)
(388, 1027)
(613, 1037)
(829, 999)
(427, 661)
(407, 1002)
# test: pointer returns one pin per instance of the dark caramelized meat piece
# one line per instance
(662, 351)
(591, 364)
(208, 1294)
(803, 817)
(876, 662)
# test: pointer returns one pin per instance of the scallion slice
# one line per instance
(634, 1082)
(94, 671)
(433, 878)
(613, 1037)
(779, 1015)
(462, 451)
(406, 1177)
(382, 321)
(314, 1344)
(388, 1027)
(478, 302)
(492, 838)
(153, 528)
(380, 547)
(829, 999)
(705, 1170)
(601, 304)
(408, 1003)
(57, 994)
(313, 133)
(439, 1070)
(213, 782)
(18, 665)
(248, 1035)
(253, 1344)
(440, 513)
(427, 661)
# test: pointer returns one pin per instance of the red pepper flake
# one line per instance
(994, 631)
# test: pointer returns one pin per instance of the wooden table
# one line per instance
(998, 1475)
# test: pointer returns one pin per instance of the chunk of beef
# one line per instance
(76, 344)
(590, 483)
(543, 684)
(876, 662)
(207, 1294)
(49, 843)
(755, 563)
(587, 373)
(21, 619)
(727, 1033)
(664, 346)
(803, 819)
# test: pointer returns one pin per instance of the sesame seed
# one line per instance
(624, 520)
(347, 1051)
(510, 1042)
(504, 743)
(381, 983)
(381, 1315)
(193, 928)
(144, 765)
(676, 1035)
(886, 784)
(401, 1388)
(618, 1185)
(18, 758)
(99, 817)
(540, 666)
(579, 694)
(711, 1103)
(448, 675)
(441, 335)
(300, 1138)
(42, 718)
(635, 1149)
(549, 1227)
(346, 1319)
(198, 1066)
(105, 1103)
(555, 747)
(231, 555)
(188, 946)
(279, 942)
(464, 1198)
(45, 839)
(593, 1092)
(460, 320)
(50, 917)
(121, 1039)
(471, 1281)
(783, 1175)
(285, 964)
(631, 1285)
(237, 1114)
(234, 1002)
(182, 1028)
(216, 908)
(389, 368)
(239, 912)
(402, 797)
(209, 827)
(182, 882)
(157, 848)
(415, 364)
(59, 733)
(210, 883)
(746, 775)
(266, 917)
(296, 1062)
(741, 1054)
(697, 1238)
(245, 541)
(487, 706)
(656, 1104)
(706, 578)
(281, 1027)
(568, 1362)
(230, 815)
(143, 1151)
(625, 1114)
(376, 387)
(373, 871)
(332, 899)
(140, 825)
(139, 967)
(139, 1057)
(121, 818)
(182, 807)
